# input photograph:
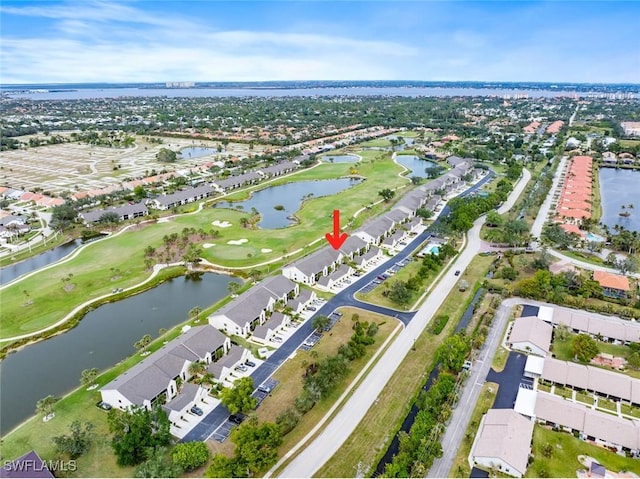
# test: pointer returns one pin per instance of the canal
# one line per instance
(11, 272)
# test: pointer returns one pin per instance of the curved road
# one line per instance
(325, 445)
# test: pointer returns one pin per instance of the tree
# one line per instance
(233, 287)
(190, 455)
(584, 347)
(494, 219)
(238, 398)
(157, 464)
(387, 194)
(399, 293)
(424, 213)
(194, 313)
(109, 217)
(221, 466)
(77, 442)
(45, 405)
(626, 265)
(452, 352)
(140, 192)
(256, 446)
(88, 376)
(561, 331)
(143, 342)
(196, 368)
(63, 216)
(166, 155)
(320, 322)
(137, 431)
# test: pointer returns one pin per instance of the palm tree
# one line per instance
(45, 405)
(88, 376)
(142, 343)
(196, 368)
(233, 287)
(194, 313)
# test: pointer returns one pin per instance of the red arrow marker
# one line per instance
(336, 239)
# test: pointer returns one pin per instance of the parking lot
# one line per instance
(367, 288)
(311, 341)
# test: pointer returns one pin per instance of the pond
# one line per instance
(104, 337)
(340, 158)
(289, 196)
(618, 189)
(415, 164)
(196, 152)
(11, 272)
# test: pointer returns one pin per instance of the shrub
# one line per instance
(191, 455)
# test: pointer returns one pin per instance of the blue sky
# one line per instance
(148, 41)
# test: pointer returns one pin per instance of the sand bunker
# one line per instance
(238, 242)
(221, 224)
(266, 250)
(208, 245)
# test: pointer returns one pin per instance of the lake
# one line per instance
(618, 188)
(87, 93)
(104, 337)
(340, 158)
(11, 272)
(290, 196)
(196, 152)
(415, 164)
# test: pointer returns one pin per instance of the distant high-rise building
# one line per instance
(180, 84)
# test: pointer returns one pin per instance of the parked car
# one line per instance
(197, 411)
(457, 273)
(251, 364)
(237, 418)
(312, 308)
(264, 389)
(240, 367)
(104, 405)
(276, 339)
(380, 277)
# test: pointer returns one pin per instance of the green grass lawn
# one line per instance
(377, 295)
(607, 404)
(564, 459)
(631, 410)
(118, 262)
(376, 142)
(584, 398)
(374, 433)
(290, 374)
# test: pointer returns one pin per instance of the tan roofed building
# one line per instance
(503, 442)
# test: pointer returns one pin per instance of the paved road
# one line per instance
(541, 218)
(344, 298)
(317, 453)
(461, 416)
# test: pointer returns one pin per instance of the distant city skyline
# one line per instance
(145, 41)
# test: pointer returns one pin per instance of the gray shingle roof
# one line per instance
(352, 244)
(203, 340)
(378, 227)
(234, 355)
(187, 395)
(184, 195)
(125, 210)
(272, 323)
(316, 262)
(152, 375)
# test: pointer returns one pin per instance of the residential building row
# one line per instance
(162, 377)
(387, 230)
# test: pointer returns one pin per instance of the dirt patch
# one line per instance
(69, 287)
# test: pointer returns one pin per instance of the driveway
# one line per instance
(509, 380)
